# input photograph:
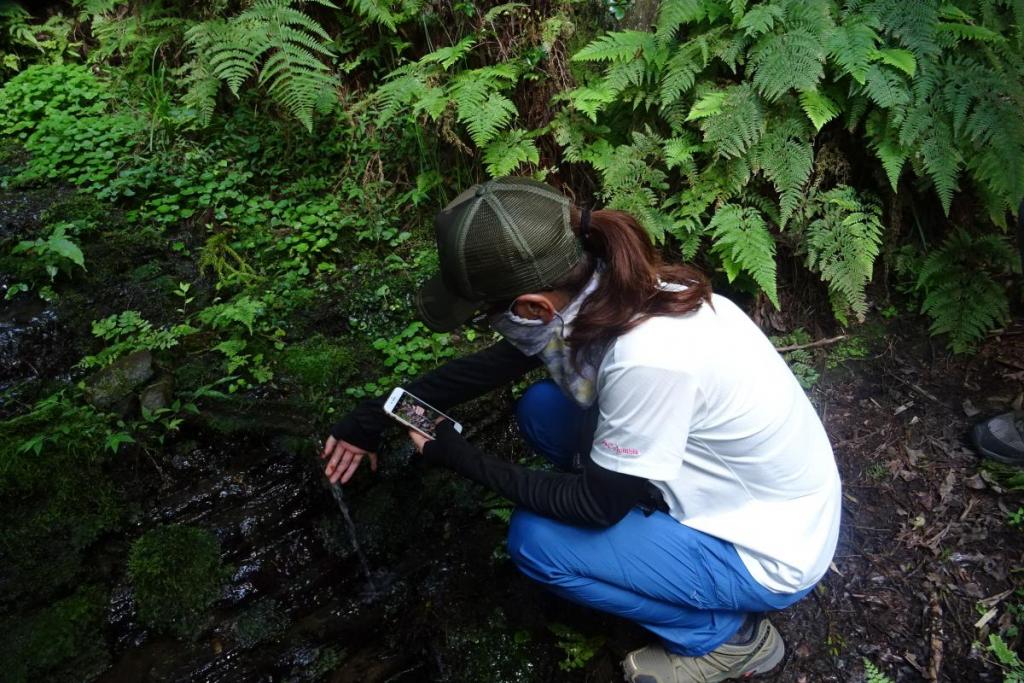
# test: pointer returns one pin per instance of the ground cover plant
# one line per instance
(213, 216)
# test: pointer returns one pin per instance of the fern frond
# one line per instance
(961, 296)
(681, 73)
(481, 108)
(732, 120)
(791, 60)
(884, 141)
(741, 238)
(508, 151)
(885, 87)
(873, 675)
(275, 41)
(619, 46)
(785, 156)
(912, 23)
(842, 245)
(956, 32)
(761, 19)
(674, 13)
(852, 45)
(375, 10)
(820, 108)
(903, 60)
(942, 161)
(448, 56)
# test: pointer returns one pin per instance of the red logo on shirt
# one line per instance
(617, 449)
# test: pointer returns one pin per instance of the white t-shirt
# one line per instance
(704, 407)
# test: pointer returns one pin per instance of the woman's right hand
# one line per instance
(343, 460)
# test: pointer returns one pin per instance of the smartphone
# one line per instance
(412, 412)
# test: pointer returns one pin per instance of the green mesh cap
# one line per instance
(495, 241)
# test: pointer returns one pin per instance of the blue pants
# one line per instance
(689, 588)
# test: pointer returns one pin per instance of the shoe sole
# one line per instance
(772, 660)
(986, 453)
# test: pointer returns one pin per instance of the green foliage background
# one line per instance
(265, 171)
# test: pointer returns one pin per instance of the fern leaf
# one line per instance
(942, 161)
(619, 46)
(958, 32)
(591, 100)
(674, 13)
(741, 238)
(961, 296)
(820, 109)
(785, 156)
(885, 143)
(289, 44)
(873, 675)
(680, 73)
(761, 19)
(708, 105)
(448, 56)
(732, 120)
(852, 45)
(508, 151)
(886, 88)
(793, 60)
(842, 245)
(481, 108)
(903, 60)
(679, 151)
(375, 10)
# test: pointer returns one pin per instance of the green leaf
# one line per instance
(448, 56)
(508, 151)
(820, 109)
(903, 60)
(708, 105)
(740, 236)
(64, 247)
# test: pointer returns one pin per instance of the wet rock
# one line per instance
(157, 395)
(114, 383)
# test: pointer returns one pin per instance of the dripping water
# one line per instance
(340, 498)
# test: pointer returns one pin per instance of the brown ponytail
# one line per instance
(628, 293)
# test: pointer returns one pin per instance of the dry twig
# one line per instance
(810, 345)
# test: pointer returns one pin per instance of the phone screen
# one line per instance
(417, 414)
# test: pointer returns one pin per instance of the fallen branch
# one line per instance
(937, 638)
(810, 345)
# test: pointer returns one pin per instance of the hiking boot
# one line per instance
(653, 664)
(1001, 438)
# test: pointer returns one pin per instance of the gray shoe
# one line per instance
(653, 664)
(1001, 438)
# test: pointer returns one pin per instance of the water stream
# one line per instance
(339, 497)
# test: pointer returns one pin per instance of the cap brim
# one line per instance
(441, 309)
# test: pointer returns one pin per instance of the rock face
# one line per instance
(157, 395)
(115, 383)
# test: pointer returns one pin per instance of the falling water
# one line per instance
(338, 496)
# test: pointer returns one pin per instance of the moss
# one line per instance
(60, 500)
(78, 207)
(177, 575)
(61, 642)
(318, 364)
(264, 621)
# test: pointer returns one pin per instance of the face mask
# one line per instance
(547, 340)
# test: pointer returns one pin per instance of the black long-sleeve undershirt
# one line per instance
(455, 382)
(596, 497)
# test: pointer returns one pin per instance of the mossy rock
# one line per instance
(61, 642)
(177, 574)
